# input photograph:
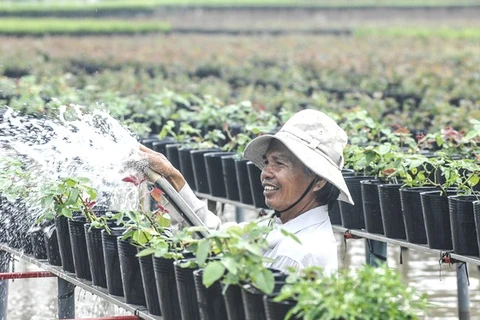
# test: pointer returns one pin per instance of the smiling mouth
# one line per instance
(269, 188)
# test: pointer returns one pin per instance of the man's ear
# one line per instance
(319, 184)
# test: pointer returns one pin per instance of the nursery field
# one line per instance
(403, 80)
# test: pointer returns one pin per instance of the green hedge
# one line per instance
(19, 26)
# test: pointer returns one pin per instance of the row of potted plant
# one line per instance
(195, 278)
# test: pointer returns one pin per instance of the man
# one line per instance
(301, 175)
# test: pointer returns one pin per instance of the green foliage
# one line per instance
(14, 179)
(238, 255)
(66, 196)
(368, 293)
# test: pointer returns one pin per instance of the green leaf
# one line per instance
(73, 196)
(146, 252)
(67, 213)
(384, 149)
(203, 251)
(230, 264)
(265, 281)
(213, 272)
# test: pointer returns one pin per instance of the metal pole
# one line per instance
(375, 252)
(66, 299)
(4, 266)
(239, 215)
(462, 292)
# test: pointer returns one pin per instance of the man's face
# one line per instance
(284, 177)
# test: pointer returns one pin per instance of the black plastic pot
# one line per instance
(413, 214)
(230, 177)
(113, 273)
(277, 310)
(173, 155)
(462, 220)
(334, 210)
(233, 302)
(252, 298)
(352, 215)
(211, 304)
(131, 274)
(51, 244)
(148, 142)
(256, 187)
(391, 209)
(187, 294)
(36, 234)
(150, 289)
(79, 247)
(243, 181)
(200, 170)
(161, 146)
(96, 259)
(371, 206)
(476, 213)
(64, 243)
(216, 181)
(186, 168)
(166, 288)
(437, 219)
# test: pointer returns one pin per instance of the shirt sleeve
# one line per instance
(211, 220)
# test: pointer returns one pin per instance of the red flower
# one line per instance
(133, 179)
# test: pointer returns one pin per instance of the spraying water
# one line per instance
(75, 143)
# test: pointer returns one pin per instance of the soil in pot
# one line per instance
(150, 289)
(462, 220)
(131, 274)
(76, 228)
(391, 209)
(211, 304)
(437, 219)
(112, 262)
(166, 288)
(243, 181)
(216, 181)
(371, 206)
(230, 177)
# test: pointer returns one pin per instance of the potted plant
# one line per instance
(365, 293)
(238, 262)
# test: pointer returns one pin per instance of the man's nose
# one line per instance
(266, 173)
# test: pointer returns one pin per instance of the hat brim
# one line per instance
(315, 161)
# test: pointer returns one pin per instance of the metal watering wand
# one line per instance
(176, 200)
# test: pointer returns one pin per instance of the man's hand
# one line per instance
(160, 164)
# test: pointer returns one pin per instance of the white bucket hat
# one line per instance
(316, 140)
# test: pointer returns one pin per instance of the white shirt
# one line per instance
(318, 246)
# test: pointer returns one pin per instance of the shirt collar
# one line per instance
(311, 217)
